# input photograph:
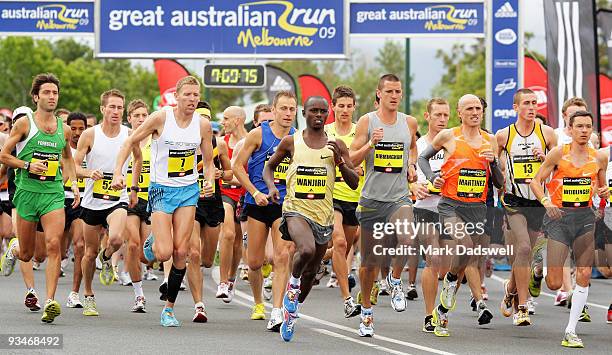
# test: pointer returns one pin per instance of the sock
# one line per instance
(450, 277)
(579, 300)
(174, 282)
(294, 282)
(366, 311)
(165, 280)
(137, 288)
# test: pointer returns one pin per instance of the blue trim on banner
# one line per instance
(405, 19)
(46, 17)
(270, 28)
(505, 61)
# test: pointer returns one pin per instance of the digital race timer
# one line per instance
(234, 76)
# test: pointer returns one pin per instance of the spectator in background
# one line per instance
(63, 114)
(92, 120)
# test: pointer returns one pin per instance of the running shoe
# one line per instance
(74, 301)
(267, 288)
(333, 281)
(124, 279)
(483, 291)
(522, 317)
(139, 305)
(8, 260)
(447, 294)
(489, 267)
(428, 327)
(244, 273)
(383, 288)
(366, 326)
(150, 276)
(266, 270)
(163, 290)
(200, 315)
(107, 274)
(258, 312)
(183, 286)
(398, 298)
(31, 300)
(222, 290)
(411, 292)
(320, 273)
(440, 322)
(276, 319)
(373, 294)
(351, 308)
(609, 321)
(290, 300)
(560, 299)
(147, 248)
(535, 285)
(115, 273)
(287, 327)
(473, 304)
(51, 311)
(531, 305)
(230, 294)
(584, 316)
(62, 273)
(507, 303)
(571, 340)
(168, 319)
(484, 314)
(89, 306)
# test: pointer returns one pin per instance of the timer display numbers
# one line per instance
(234, 76)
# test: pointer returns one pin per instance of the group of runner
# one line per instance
(167, 190)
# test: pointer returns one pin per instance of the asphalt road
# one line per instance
(321, 329)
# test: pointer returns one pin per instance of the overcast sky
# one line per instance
(425, 68)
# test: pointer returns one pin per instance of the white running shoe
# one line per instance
(200, 315)
(267, 288)
(222, 290)
(139, 305)
(398, 298)
(74, 301)
(124, 279)
(333, 281)
(150, 276)
(276, 320)
(183, 286)
(366, 326)
(230, 294)
(531, 305)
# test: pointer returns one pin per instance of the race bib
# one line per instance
(389, 157)
(181, 162)
(430, 186)
(525, 168)
(51, 160)
(310, 182)
(201, 181)
(471, 183)
(576, 192)
(280, 173)
(102, 189)
(80, 184)
(143, 179)
(610, 191)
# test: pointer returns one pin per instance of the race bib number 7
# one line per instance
(181, 162)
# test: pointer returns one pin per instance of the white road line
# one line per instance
(497, 278)
(215, 276)
(373, 346)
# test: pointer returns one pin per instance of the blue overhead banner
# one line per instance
(42, 17)
(413, 19)
(505, 64)
(222, 28)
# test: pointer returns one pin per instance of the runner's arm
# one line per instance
(351, 178)
(17, 134)
(547, 167)
(497, 177)
(430, 151)
(603, 190)
(237, 149)
(207, 150)
(284, 149)
(146, 129)
(83, 147)
(67, 160)
(226, 164)
(360, 146)
(251, 142)
(136, 164)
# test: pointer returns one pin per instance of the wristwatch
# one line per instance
(26, 165)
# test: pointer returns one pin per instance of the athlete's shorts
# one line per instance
(603, 235)
(347, 209)
(573, 223)
(322, 234)
(210, 212)
(425, 216)
(264, 214)
(241, 211)
(373, 217)
(72, 214)
(234, 204)
(168, 199)
(140, 210)
(98, 217)
(7, 207)
(32, 205)
(474, 213)
(532, 210)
